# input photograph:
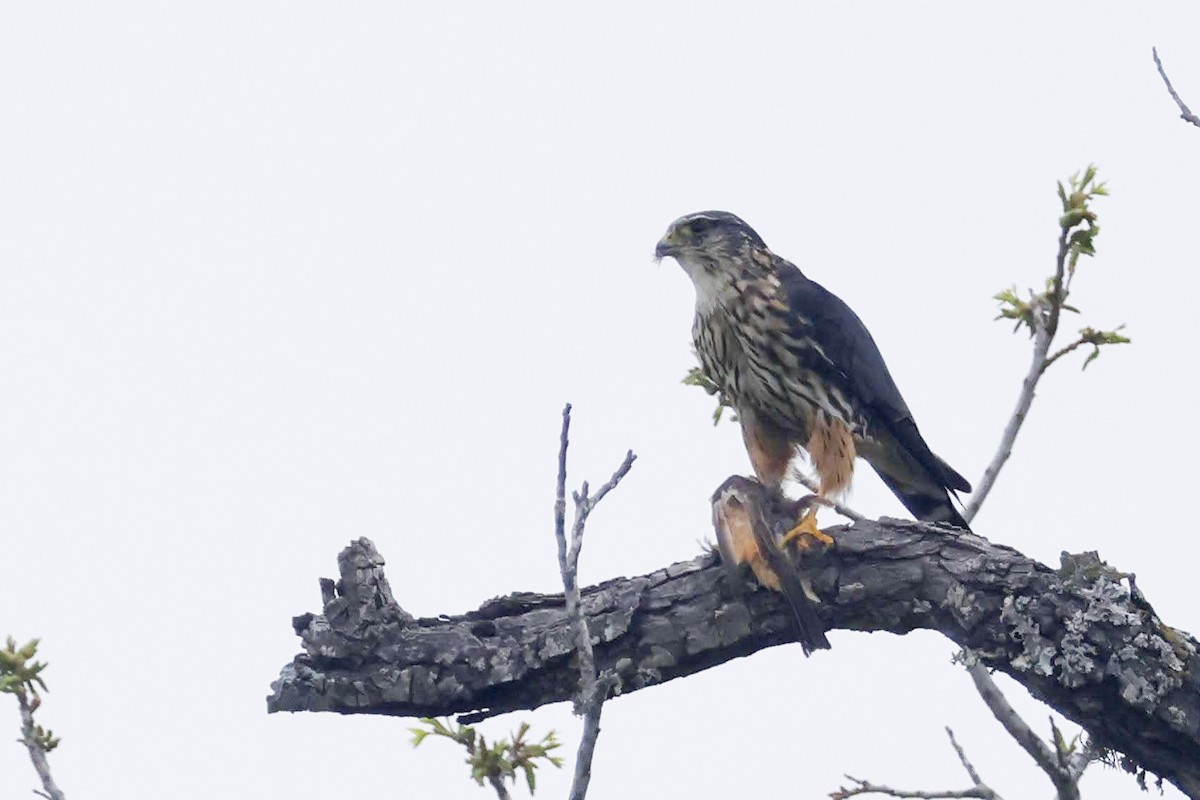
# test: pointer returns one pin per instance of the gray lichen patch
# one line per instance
(964, 606)
(1142, 662)
(1092, 633)
(1036, 653)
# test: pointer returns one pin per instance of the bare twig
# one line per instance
(593, 688)
(1017, 728)
(1041, 346)
(1062, 351)
(866, 787)
(974, 776)
(808, 483)
(1185, 113)
(1065, 782)
(560, 494)
(37, 754)
(978, 789)
(1045, 325)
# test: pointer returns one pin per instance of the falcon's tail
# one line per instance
(926, 503)
(921, 480)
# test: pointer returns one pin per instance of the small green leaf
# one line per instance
(45, 739)
(530, 779)
(1073, 217)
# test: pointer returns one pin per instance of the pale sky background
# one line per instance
(274, 276)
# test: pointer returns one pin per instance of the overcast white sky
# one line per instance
(278, 275)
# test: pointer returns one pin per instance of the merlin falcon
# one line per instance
(801, 370)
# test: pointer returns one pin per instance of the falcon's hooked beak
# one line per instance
(667, 246)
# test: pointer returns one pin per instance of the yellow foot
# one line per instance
(806, 529)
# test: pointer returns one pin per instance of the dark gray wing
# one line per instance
(852, 359)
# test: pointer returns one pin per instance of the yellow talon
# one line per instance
(807, 527)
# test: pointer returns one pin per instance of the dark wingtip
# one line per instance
(927, 507)
(955, 481)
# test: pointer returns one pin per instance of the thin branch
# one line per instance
(497, 783)
(1040, 347)
(1018, 729)
(974, 776)
(1060, 290)
(866, 787)
(978, 789)
(1081, 759)
(593, 688)
(560, 494)
(617, 475)
(1185, 113)
(36, 754)
(494, 779)
(1045, 325)
(1062, 351)
(808, 483)
(583, 508)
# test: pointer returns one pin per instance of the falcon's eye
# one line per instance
(700, 224)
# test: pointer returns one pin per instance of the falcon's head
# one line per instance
(713, 247)
(707, 234)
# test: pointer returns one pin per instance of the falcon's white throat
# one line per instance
(710, 285)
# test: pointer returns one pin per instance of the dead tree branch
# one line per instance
(862, 787)
(1064, 780)
(593, 687)
(1075, 638)
(977, 789)
(962, 758)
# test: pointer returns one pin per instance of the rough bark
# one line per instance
(1079, 638)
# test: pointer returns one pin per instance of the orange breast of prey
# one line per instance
(735, 537)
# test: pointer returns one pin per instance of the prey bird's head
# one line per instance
(709, 243)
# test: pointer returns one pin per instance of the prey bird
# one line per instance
(801, 370)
